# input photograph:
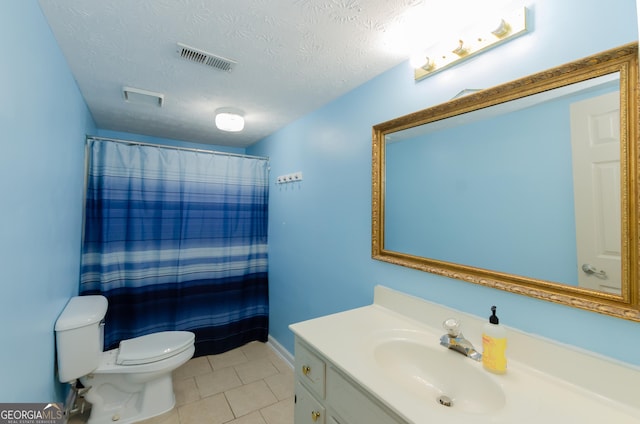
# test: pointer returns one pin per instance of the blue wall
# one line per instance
(320, 228)
(44, 120)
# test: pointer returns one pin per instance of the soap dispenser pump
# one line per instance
(494, 345)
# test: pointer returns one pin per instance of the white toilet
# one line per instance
(127, 384)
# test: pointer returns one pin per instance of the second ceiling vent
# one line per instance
(200, 56)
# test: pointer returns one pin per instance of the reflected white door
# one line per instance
(595, 140)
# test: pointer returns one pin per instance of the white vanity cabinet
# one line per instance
(324, 395)
(308, 409)
(380, 364)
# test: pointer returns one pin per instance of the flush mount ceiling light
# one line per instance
(229, 119)
(473, 41)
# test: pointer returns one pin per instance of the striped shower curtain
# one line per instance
(177, 240)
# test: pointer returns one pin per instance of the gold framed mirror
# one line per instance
(529, 187)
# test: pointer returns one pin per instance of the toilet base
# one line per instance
(128, 394)
(111, 404)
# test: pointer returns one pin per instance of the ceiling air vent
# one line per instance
(143, 97)
(200, 56)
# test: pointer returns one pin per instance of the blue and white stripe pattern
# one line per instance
(177, 240)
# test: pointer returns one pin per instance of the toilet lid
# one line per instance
(153, 347)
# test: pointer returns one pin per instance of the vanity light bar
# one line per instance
(474, 41)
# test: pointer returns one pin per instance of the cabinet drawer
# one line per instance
(352, 404)
(307, 409)
(310, 369)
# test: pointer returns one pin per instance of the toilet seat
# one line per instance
(153, 347)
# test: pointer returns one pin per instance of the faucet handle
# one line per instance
(452, 326)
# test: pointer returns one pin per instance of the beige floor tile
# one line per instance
(217, 382)
(227, 359)
(209, 389)
(279, 413)
(278, 362)
(256, 350)
(249, 398)
(255, 370)
(210, 410)
(185, 390)
(193, 367)
(281, 384)
(253, 418)
(170, 417)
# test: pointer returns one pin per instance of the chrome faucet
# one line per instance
(454, 340)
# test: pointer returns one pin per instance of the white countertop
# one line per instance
(532, 394)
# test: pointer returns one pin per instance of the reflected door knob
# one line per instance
(592, 270)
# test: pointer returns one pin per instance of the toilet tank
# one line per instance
(79, 336)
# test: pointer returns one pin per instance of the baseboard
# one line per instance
(281, 351)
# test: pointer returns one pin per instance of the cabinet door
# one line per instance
(307, 409)
(310, 369)
(335, 419)
(352, 404)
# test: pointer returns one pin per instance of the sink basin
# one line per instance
(439, 375)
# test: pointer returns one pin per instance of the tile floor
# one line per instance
(248, 385)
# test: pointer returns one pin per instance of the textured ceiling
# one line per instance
(292, 56)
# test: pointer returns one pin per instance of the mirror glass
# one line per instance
(524, 187)
(511, 175)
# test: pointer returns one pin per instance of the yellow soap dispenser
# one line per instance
(494, 345)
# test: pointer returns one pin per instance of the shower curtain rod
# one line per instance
(189, 149)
